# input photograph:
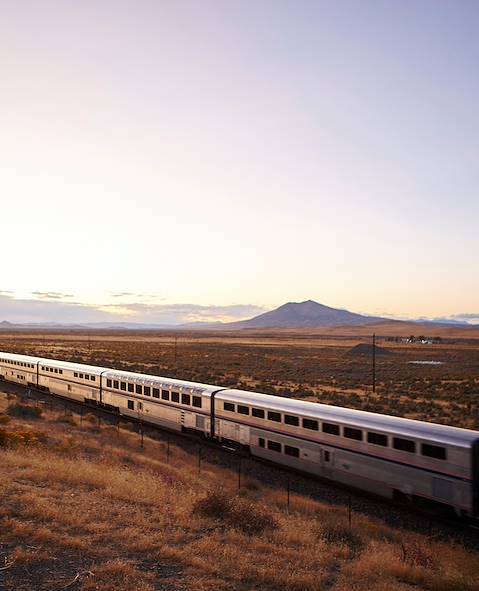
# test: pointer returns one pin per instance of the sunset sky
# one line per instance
(169, 161)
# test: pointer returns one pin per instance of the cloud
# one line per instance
(182, 313)
(465, 318)
(53, 310)
(44, 310)
(51, 295)
(137, 296)
(121, 294)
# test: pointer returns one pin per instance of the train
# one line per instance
(421, 463)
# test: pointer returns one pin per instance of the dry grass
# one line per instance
(87, 511)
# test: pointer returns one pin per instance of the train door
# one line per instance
(327, 460)
(244, 435)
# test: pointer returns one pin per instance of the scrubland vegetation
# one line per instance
(301, 366)
(84, 508)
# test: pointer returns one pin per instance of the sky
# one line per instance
(175, 161)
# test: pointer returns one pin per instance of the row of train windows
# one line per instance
(187, 399)
(289, 450)
(18, 363)
(52, 369)
(84, 376)
(432, 451)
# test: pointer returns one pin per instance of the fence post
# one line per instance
(168, 450)
(239, 474)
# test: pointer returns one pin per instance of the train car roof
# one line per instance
(17, 356)
(94, 369)
(434, 432)
(147, 379)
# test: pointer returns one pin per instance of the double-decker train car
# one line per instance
(385, 455)
(393, 457)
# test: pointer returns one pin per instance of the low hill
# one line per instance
(308, 314)
(366, 350)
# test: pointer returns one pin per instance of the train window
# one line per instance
(351, 433)
(108, 383)
(291, 420)
(331, 428)
(87, 377)
(258, 413)
(122, 385)
(131, 387)
(261, 442)
(156, 392)
(61, 371)
(274, 446)
(116, 384)
(327, 455)
(185, 399)
(229, 406)
(197, 401)
(291, 451)
(92, 377)
(175, 396)
(274, 416)
(147, 391)
(404, 444)
(433, 451)
(310, 424)
(139, 389)
(165, 394)
(377, 439)
(131, 405)
(56, 370)
(80, 375)
(243, 410)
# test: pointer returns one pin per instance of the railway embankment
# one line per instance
(92, 506)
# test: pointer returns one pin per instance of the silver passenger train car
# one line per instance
(425, 463)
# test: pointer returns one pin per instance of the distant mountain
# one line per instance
(306, 314)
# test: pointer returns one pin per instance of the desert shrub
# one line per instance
(23, 411)
(341, 535)
(416, 554)
(14, 438)
(243, 514)
(90, 418)
(67, 418)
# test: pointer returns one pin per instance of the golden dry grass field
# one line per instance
(85, 509)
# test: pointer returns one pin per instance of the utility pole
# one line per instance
(176, 350)
(374, 363)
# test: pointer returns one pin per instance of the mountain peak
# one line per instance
(307, 314)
